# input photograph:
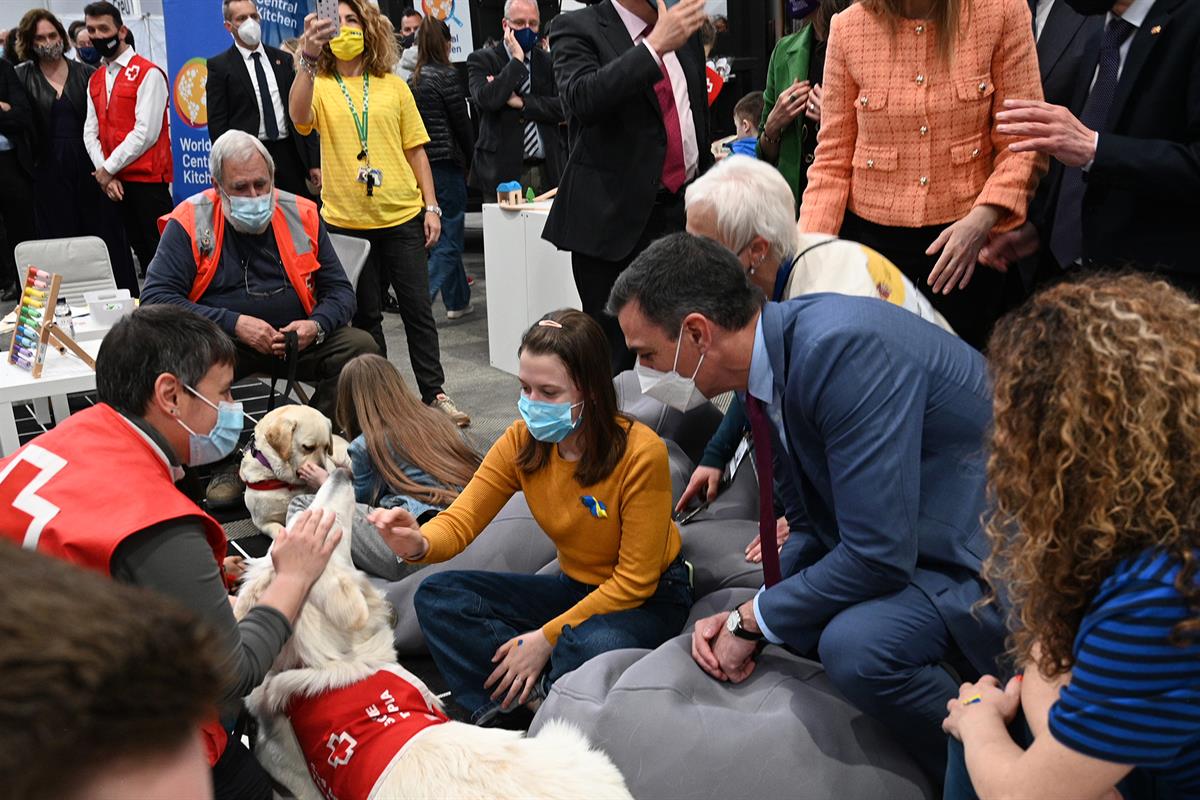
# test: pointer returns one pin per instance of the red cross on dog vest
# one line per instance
(350, 736)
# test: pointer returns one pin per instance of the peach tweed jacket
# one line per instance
(908, 140)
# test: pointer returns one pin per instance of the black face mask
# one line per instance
(408, 41)
(1090, 8)
(106, 46)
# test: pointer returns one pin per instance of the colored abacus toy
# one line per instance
(35, 324)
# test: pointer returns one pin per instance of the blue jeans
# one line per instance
(467, 615)
(446, 273)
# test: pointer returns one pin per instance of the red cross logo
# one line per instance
(341, 748)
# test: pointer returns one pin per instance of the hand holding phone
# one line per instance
(328, 9)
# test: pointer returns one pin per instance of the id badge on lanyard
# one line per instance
(367, 174)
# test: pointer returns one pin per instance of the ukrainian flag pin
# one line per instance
(598, 509)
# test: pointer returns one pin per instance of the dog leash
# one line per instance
(291, 355)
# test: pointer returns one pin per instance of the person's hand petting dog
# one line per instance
(400, 531)
(521, 661)
(303, 549)
(313, 475)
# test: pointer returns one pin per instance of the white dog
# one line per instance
(335, 698)
(284, 441)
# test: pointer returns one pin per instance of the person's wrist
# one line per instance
(749, 621)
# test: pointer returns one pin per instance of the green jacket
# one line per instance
(789, 62)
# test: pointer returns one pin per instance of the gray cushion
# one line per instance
(681, 470)
(691, 430)
(674, 732)
(513, 542)
(716, 549)
(721, 600)
(738, 499)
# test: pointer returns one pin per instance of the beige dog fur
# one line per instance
(343, 635)
(290, 437)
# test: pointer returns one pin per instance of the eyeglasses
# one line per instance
(246, 276)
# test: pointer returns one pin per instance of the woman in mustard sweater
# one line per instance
(599, 485)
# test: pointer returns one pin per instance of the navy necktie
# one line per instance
(264, 96)
(763, 452)
(1066, 240)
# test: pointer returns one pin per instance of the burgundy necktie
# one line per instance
(674, 171)
(767, 537)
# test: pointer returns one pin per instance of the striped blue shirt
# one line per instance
(1134, 697)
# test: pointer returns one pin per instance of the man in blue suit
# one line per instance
(878, 421)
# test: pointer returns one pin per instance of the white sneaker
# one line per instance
(461, 312)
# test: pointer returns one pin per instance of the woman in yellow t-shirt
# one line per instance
(599, 485)
(376, 180)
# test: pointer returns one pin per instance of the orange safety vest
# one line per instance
(296, 224)
(115, 118)
(52, 489)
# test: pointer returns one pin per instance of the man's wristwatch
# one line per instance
(320, 333)
(434, 209)
(734, 626)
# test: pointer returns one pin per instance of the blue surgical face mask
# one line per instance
(208, 448)
(667, 3)
(88, 55)
(250, 214)
(548, 422)
(527, 38)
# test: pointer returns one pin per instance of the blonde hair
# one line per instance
(948, 18)
(379, 43)
(1095, 452)
(373, 401)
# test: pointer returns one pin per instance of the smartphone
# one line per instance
(684, 517)
(328, 9)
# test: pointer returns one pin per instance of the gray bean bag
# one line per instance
(674, 732)
(691, 431)
(513, 542)
(716, 551)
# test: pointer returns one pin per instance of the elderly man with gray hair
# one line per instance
(258, 262)
(746, 205)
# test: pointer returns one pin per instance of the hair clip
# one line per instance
(549, 323)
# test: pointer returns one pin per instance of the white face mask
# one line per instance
(250, 32)
(671, 388)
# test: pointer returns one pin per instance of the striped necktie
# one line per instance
(533, 145)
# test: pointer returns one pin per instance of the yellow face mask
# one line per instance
(347, 45)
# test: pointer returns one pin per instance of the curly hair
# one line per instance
(379, 52)
(1095, 452)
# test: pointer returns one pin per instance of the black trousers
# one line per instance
(290, 172)
(971, 311)
(144, 203)
(320, 364)
(594, 277)
(237, 775)
(16, 214)
(398, 256)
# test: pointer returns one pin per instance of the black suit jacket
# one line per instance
(233, 105)
(500, 148)
(617, 138)
(1142, 194)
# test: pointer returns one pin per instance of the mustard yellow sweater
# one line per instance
(624, 553)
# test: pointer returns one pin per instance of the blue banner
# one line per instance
(195, 33)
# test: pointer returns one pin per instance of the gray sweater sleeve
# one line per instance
(174, 558)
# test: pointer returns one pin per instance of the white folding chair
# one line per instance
(81, 260)
(352, 252)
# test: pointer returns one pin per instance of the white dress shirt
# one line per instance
(679, 87)
(1042, 14)
(272, 87)
(147, 113)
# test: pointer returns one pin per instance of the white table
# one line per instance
(526, 277)
(61, 376)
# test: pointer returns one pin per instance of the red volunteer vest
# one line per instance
(79, 490)
(115, 115)
(350, 736)
(295, 223)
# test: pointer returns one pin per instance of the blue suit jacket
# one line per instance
(886, 419)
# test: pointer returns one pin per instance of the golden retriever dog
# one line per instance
(339, 717)
(284, 441)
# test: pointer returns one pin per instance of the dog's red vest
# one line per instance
(350, 736)
(115, 117)
(79, 490)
